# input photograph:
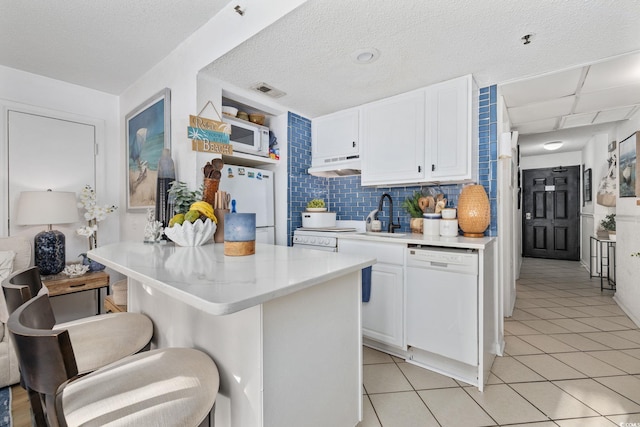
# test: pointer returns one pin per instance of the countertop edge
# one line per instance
(420, 239)
(225, 308)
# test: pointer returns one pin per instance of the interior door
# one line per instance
(551, 227)
(48, 152)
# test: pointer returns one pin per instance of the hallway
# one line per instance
(572, 358)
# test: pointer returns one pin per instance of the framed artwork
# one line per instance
(148, 132)
(586, 185)
(628, 166)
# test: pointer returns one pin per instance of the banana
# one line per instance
(204, 208)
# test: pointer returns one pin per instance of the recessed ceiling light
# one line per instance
(553, 145)
(365, 56)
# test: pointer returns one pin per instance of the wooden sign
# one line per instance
(208, 124)
(211, 147)
(207, 135)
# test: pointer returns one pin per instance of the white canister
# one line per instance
(448, 213)
(449, 227)
(431, 224)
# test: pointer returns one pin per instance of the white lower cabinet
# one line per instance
(383, 314)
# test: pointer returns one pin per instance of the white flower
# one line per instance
(93, 215)
(86, 231)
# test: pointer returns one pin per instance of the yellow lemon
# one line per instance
(177, 219)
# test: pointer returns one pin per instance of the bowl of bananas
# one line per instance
(193, 228)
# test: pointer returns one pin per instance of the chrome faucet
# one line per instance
(391, 227)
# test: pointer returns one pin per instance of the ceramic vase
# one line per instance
(474, 211)
(93, 265)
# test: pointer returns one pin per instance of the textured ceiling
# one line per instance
(101, 44)
(307, 53)
(108, 44)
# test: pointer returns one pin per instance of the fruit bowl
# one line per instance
(191, 234)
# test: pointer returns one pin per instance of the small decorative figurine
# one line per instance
(153, 228)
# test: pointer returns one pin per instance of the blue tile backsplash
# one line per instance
(488, 151)
(351, 201)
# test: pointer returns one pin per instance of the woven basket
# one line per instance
(210, 189)
(474, 211)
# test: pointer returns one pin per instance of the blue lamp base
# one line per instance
(49, 252)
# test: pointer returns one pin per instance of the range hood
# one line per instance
(337, 167)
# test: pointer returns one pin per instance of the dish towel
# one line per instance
(366, 284)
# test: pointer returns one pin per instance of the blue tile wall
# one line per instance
(302, 186)
(351, 201)
(488, 151)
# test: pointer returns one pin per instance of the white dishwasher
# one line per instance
(442, 302)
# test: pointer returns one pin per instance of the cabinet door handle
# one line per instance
(433, 168)
(419, 169)
(354, 144)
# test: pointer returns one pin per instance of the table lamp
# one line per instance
(48, 207)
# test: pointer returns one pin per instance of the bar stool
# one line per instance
(97, 340)
(164, 387)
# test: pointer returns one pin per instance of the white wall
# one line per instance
(628, 240)
(594, 157)
(571, 158)
(178, 71)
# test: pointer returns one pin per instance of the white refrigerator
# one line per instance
(253, 191)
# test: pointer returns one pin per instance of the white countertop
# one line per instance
(420, 239)
(217, 284)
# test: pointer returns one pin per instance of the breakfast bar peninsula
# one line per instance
(283, 325)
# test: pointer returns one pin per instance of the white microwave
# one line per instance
(248, 137)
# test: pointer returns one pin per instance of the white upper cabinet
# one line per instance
(393, 136)
(449, 126)
(424, 136)
(335, 137)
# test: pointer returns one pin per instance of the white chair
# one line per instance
(164, 387)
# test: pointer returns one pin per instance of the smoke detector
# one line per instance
(268, 90)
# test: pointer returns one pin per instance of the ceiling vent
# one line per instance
(268, 90)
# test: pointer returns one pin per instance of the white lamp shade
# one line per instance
(46, 207)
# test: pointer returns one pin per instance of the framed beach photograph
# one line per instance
(628, 166)
(586, 185)
(148, 132)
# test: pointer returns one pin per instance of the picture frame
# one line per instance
(148, 133)
(586, 185)
(629, 184)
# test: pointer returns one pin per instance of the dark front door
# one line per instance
(551, 227)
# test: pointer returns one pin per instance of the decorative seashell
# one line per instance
(75, 270)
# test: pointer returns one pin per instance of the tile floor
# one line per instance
(572, 358)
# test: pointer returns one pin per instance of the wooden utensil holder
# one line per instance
(218, 236)
(210, 189)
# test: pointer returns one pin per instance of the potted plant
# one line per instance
(412, 206)
(609, 224)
